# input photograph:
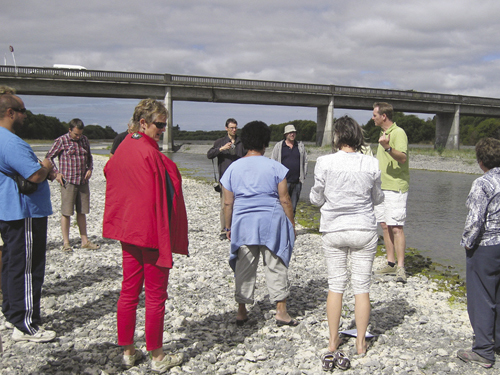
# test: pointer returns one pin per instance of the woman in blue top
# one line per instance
(259, 220)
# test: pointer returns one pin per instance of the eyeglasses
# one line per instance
(160, 125)
(19, 110)
(232, 127)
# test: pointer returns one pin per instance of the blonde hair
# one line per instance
(148, 109)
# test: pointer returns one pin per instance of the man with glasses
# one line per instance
(23, 224)
(227, 149)
(75, 169)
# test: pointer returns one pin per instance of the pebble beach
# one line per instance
(417, 329)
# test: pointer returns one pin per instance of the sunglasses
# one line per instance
(19, 110)
(160, 125)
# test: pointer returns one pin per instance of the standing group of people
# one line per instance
(145, 211)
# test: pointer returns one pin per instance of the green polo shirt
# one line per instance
(395, 176)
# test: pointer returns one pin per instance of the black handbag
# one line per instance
(25, 187)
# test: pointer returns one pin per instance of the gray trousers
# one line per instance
(275, 271)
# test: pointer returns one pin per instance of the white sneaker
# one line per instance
(41, 336)
(129, 361)
(9, 325)
(169, 361)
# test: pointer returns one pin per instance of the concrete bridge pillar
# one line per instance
(448, 129)
(325, 124)
(168, 140)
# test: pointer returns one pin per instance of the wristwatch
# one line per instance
(388, 150)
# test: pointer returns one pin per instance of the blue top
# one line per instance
(482, 226)
(258, 217)
(17, 157)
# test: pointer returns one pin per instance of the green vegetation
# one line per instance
(41, 127)
(306, 131)
(98, 132)
(464, 154)
(417, 130)
(472, 129)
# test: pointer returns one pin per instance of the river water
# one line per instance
(436, 207)
(435, 211)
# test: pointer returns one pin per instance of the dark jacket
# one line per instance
(226, 157)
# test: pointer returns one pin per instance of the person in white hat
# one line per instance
(293, 155)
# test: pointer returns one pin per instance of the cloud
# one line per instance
(429, 46)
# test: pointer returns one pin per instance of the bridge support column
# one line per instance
(168, 140)
(325, 124)
(448, 130)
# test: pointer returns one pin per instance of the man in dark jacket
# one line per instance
(227, 149)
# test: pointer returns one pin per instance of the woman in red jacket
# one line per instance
(145, 211)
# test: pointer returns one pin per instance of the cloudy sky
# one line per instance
(427, 45)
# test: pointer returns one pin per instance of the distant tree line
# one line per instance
(306, 131)
(472, 129)
(417, 129)
(48, 127)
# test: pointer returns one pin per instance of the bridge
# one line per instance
(170, 88)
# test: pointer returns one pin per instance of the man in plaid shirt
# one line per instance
(75, 169)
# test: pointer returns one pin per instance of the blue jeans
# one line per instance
(294, 189)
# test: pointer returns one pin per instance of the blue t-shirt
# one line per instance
(17, 157)
(258, 217)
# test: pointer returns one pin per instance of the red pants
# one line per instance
(139, 267)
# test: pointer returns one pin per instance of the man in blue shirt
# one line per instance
(293, 155)
(23, 224)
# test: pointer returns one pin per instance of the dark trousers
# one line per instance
(294, 189)
(23, 270)
(483, 298)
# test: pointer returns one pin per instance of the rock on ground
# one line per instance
(418, 330)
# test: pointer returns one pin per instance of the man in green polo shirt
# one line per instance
(392, 154)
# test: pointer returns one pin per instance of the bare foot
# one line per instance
(334, 343)
(361, 345)
(242, 312)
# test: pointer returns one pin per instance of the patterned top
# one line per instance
(74, 158)
(482, 226)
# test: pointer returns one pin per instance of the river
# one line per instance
(436, 205)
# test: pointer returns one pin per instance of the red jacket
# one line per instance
(143, 185)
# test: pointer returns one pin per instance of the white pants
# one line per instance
(246, 274)
(362, 246)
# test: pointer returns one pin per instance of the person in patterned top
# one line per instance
(75, 169)
(481, 240)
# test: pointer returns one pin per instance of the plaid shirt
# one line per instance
(74, 158)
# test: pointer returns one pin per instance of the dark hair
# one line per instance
(384, 109)
(488, 152)
(255, 135)
(231, 121)
(76, 123)
(347, 132)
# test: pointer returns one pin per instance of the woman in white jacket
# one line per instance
(347, 186)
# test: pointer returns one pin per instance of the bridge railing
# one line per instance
(215, 82)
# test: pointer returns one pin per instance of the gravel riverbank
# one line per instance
(418, 330)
